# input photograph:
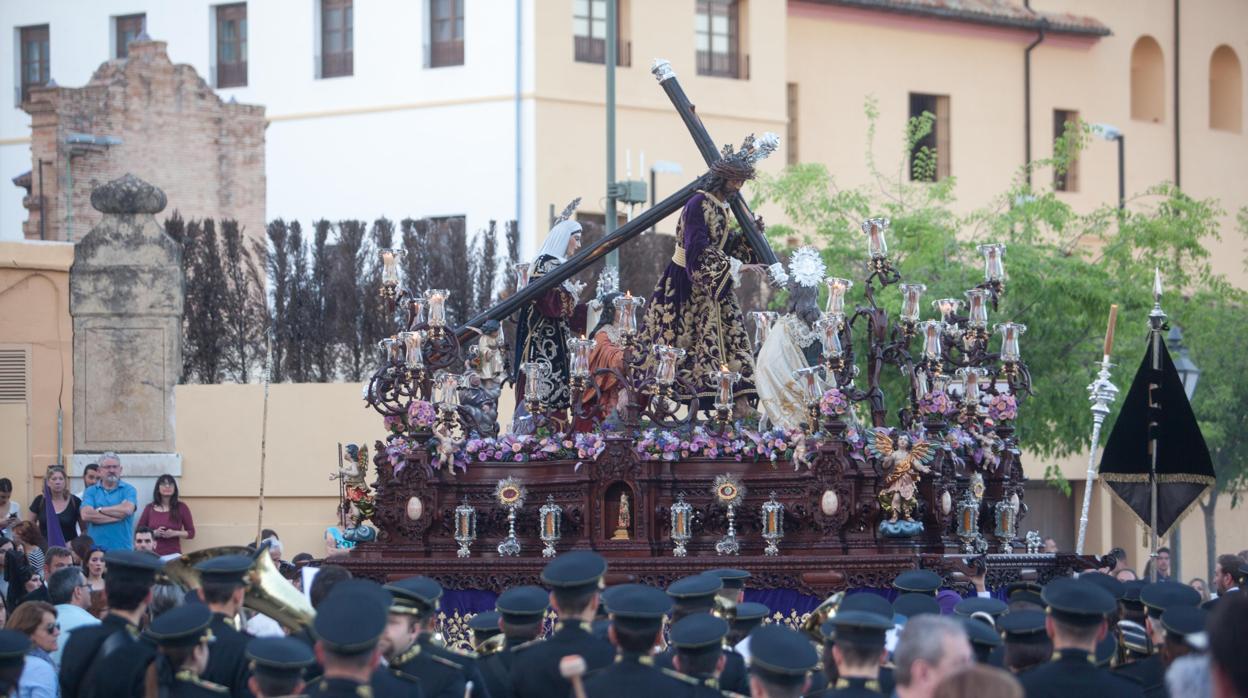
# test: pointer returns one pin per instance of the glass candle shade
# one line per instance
(436, 297)
(534, 372)
(911, 294)
(552, 520)
(390, 266)
(948, 308)
(877, 245)
(773, 517)
(932, 331)
(668, 356)
(829, 327)
(446, 390)
(626, 313)
(808, 381)
(416, 305)
(977, 308)
(726, 382)
(940, 383)
(971, 379)
(465, 523)
(763, 320)
(522, 274)
(391, 350)
(1010, 332)
(413, 356)
(578, 351)
(994, 261)
(837, 288)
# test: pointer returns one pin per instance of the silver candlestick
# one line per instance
(682, 515)
(728, 545)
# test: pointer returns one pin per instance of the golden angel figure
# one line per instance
(902, 465)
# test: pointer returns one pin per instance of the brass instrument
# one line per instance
(822, 613)
(267, 591)
(491, 645)
(725, 608)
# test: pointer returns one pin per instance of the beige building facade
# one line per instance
(803, 69)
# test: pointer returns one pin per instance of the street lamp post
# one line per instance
(1113, 133)
(1189, 374)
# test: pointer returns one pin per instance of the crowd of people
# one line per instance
(1094, 634)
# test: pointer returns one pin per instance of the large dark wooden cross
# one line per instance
(662, 71)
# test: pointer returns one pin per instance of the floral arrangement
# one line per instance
(362, 498)
(833, 403)
(935, 404)
(420, 416)
(1003, 407)
(741, 444)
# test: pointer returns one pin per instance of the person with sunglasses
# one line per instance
(69, 590)
(37, 620)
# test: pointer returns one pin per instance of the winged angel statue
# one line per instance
(902, 465)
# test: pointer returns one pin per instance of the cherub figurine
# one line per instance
(488, 356)
(354, 465)
(901, 464)
(447, 446)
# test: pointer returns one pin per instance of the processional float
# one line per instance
(666, 489)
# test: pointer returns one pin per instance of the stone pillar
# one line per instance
(125, 298)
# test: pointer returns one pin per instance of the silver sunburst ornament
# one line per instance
(510, 494)
(729, 493)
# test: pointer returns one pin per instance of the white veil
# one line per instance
(556, 243)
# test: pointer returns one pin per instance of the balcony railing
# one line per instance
(594, 50)
(724, 65)
(232, 74)
(335, 65)
(446, 53)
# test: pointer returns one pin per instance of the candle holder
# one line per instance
(829, 327)
(446, 396)
(812, 389)
(977, 318)
(436, 299)
(763, 320)
(682, 516)
(626, 308)
(837, 288)
(390, 273)
(1005, 515)
(391, 351)
(1010, 332)
(911, 294)
(465, 527)
(413, 354)
(773, 524)
(536, 385)
(948, 309)
(551, 515)
(970, 378)
(968, 517)
(510, 495)
(729, 493)
(578, 365)
(877, 248)
(994, 269)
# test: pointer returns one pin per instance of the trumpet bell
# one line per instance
(270, 593)
(181, 570)
(813, 624)
(491, 645)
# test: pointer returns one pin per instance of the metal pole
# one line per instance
(1102, 393)
(613, 257)
(1122, 172)
(519, 109)
(653, 189)
(1156, 319)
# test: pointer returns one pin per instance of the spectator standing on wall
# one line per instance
(90, 476)
(9, 509)
(108, 507)
(168, 517)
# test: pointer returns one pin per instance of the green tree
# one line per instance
(1064, 270)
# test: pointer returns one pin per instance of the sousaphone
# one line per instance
(267, 591)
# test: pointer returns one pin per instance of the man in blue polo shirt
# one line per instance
(108, 507)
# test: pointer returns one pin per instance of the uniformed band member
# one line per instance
(781, 662)
(182, 636)
(696, 595)
(917, 582)
(1157, 598)
(13, 649)
(637, 613)
(734, 583)
(574, 579)
(1184, 632)
(1025, 643)
(748, 616)
(277, 666)
(854, 642)
(913, 604)
(698, 641)
(483, 626)
(409, 647)
(969, 606)
(1076, 623)
(222, 589)
(984, 638)
(110, 659)
(521, 612)
(1024, 596)
(348, 628)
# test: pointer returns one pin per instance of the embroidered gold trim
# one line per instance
(678, 257)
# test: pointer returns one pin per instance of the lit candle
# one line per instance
(932, 330)
(548, 523)
(390, 349)
(416, 305)
(970, 384)
(579, 349)
(837, 288)
(948, 308)
(829, 327)
(414, 357)
(910, 295)
(994, 264)
(625, 312)
(771, 521)
(437, 306)
(390, 266)
(522, 274)
(877, 246)
(1010, 332)
(977, 308)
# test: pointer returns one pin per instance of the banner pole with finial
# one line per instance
(1101, 393)
(264, 436)
(1156, 324)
